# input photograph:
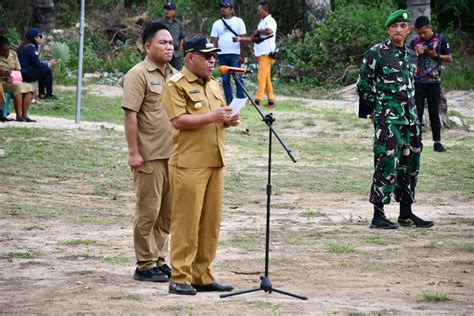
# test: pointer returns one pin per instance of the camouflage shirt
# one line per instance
(386, 81)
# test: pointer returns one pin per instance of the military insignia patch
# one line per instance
(405, 15)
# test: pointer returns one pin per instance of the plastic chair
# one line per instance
(8, 97)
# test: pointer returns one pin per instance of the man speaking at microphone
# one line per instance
(199, 114)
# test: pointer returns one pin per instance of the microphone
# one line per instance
(233, 70)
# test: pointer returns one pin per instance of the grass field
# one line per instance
(67, 212)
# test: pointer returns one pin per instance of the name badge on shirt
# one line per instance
(155, 82)
(194, 91)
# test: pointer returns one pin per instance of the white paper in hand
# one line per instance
(236, 105)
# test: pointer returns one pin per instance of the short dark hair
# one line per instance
(422, 21)
(266, 5)
(151, 29)
(4, 40)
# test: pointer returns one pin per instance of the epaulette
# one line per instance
(174, 78)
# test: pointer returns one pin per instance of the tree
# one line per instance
(43, 14)
(418, 8)
(319, 8)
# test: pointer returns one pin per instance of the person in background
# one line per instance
(177, 31)
(432, 50)
(264, 39)
(199, 115)
(22, 92)
(386, 83)
(149, 139)
(232, 53)
(32, 68)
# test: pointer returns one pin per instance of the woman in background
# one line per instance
(32, 68)
(22, 92)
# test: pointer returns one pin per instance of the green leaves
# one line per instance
(333, 46)
(60, 51)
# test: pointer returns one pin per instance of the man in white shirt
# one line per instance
(264, 39)
(232, 53)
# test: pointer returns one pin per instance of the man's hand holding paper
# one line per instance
(236, 105)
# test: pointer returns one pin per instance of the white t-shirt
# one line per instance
(267, 46)
(225, 35)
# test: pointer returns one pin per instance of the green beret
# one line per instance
(398, 16)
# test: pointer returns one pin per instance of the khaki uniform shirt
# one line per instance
(142, 87)
(9, 63)
(200, 147)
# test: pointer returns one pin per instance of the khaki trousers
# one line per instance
(152, 214)
(195, 222)
(265, 77)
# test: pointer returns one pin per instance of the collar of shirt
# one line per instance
(151, 66)
(393, 46)
(268, 17)
(191, 77)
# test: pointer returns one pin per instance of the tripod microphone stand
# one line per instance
(266, 283)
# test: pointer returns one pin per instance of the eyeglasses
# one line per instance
(207, 56)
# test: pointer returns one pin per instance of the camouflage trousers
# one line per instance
(389, 175)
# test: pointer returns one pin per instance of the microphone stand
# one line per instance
(266, 283)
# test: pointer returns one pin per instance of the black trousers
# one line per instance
(431, 92)
(44, 77)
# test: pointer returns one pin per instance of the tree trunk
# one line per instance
(319, 8)
(43, 14)
(422, 8)
(418, 8)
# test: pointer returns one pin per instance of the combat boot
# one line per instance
(408, 219)
(380, 221)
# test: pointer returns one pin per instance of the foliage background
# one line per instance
(329, 55)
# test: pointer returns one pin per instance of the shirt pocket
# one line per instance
(152, 98)
(217, 98)
(197, 104)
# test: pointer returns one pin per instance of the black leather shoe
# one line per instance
(50, 97)
(381, 222)
(181, 289)
(415, 221)
(213, 287)
(5, 119)
(27, 119)
(439, 147)
(152, 275)
(166, 270)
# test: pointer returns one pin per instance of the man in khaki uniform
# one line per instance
(198, 113)
(149, 138)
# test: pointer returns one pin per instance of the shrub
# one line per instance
(332, 50)
(60, 51)
(126, 60)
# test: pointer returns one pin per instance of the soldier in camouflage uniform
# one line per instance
(386, 85)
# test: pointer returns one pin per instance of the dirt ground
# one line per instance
(388, 272)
